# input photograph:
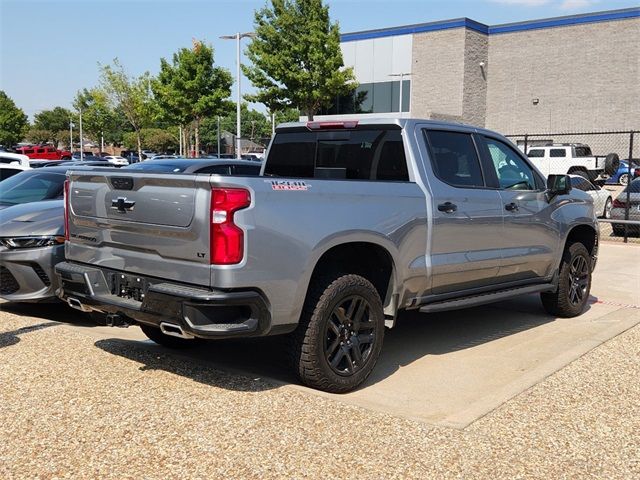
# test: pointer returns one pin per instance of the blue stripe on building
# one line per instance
(595, 17)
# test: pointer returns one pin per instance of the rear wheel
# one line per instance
(574, 284)
(340, 335)
(168, 341)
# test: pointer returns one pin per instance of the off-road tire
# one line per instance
(559, 303)
(307, 342)
(168, 341)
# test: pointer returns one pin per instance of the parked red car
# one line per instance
(45, 152)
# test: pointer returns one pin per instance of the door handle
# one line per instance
(512, 207)
(447, 207)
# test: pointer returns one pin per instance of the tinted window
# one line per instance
(537, 153)
(454, 158)
(366, 154)
(583, 151)
(634, 187)
(558, 152)
(249, 170)
(31, 187)
(512, 171)
(8, 172)
(215, 169)
(28, 152)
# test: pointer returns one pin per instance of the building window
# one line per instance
(379, 97)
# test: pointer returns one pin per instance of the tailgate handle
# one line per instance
(122, 183)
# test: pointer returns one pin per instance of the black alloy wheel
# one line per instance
(349, 336)
(579, 276)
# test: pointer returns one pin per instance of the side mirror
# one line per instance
(558, 185)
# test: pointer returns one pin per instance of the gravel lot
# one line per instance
(74, 407)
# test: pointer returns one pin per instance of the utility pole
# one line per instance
(180, 140)
(237, 38)
(101, 142)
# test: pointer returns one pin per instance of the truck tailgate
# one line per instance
(141, 223)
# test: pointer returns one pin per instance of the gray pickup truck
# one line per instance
(348, 223)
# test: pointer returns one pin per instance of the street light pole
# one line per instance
(218, 136)
(81, 142)
(70, 136)
(401, 75)
(237, 38)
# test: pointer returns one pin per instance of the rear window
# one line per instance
(583, 151)
(536, 153)
(557, 152)
(8, 172)
(363, 154)
(633, 187)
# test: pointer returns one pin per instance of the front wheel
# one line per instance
(574, 284)
(340, 335)
(623, 179)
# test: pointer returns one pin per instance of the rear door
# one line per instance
(467, 214)
(528, 239)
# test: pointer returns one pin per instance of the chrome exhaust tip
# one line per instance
(77, 304)
(174, 330)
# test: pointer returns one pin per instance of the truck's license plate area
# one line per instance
(128, 286)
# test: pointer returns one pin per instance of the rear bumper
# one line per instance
(202, 313)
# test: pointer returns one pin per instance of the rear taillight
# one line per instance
(66, 209)
(618, 204)
(226, 238)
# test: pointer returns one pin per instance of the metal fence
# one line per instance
(620, 218)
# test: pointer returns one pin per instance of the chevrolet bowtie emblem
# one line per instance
(122, 204)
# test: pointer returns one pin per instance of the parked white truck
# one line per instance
(573, 159)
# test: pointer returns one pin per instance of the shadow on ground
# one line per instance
(11, 338)
(415, 336)
(55, 311)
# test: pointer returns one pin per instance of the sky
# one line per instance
(50, 49)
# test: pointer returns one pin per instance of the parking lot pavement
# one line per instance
(524, 398)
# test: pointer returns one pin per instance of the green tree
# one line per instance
(98, 118)
(191, 88)
(156, 139)
(130, 95)
(13, 121)
(55, 120)
(296, 57)
(255, 125)
(36, 135)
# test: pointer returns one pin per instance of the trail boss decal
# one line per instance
(288, 185)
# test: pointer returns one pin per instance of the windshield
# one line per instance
(157, 167)
(31, 186)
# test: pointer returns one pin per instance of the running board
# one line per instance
(484, 298)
